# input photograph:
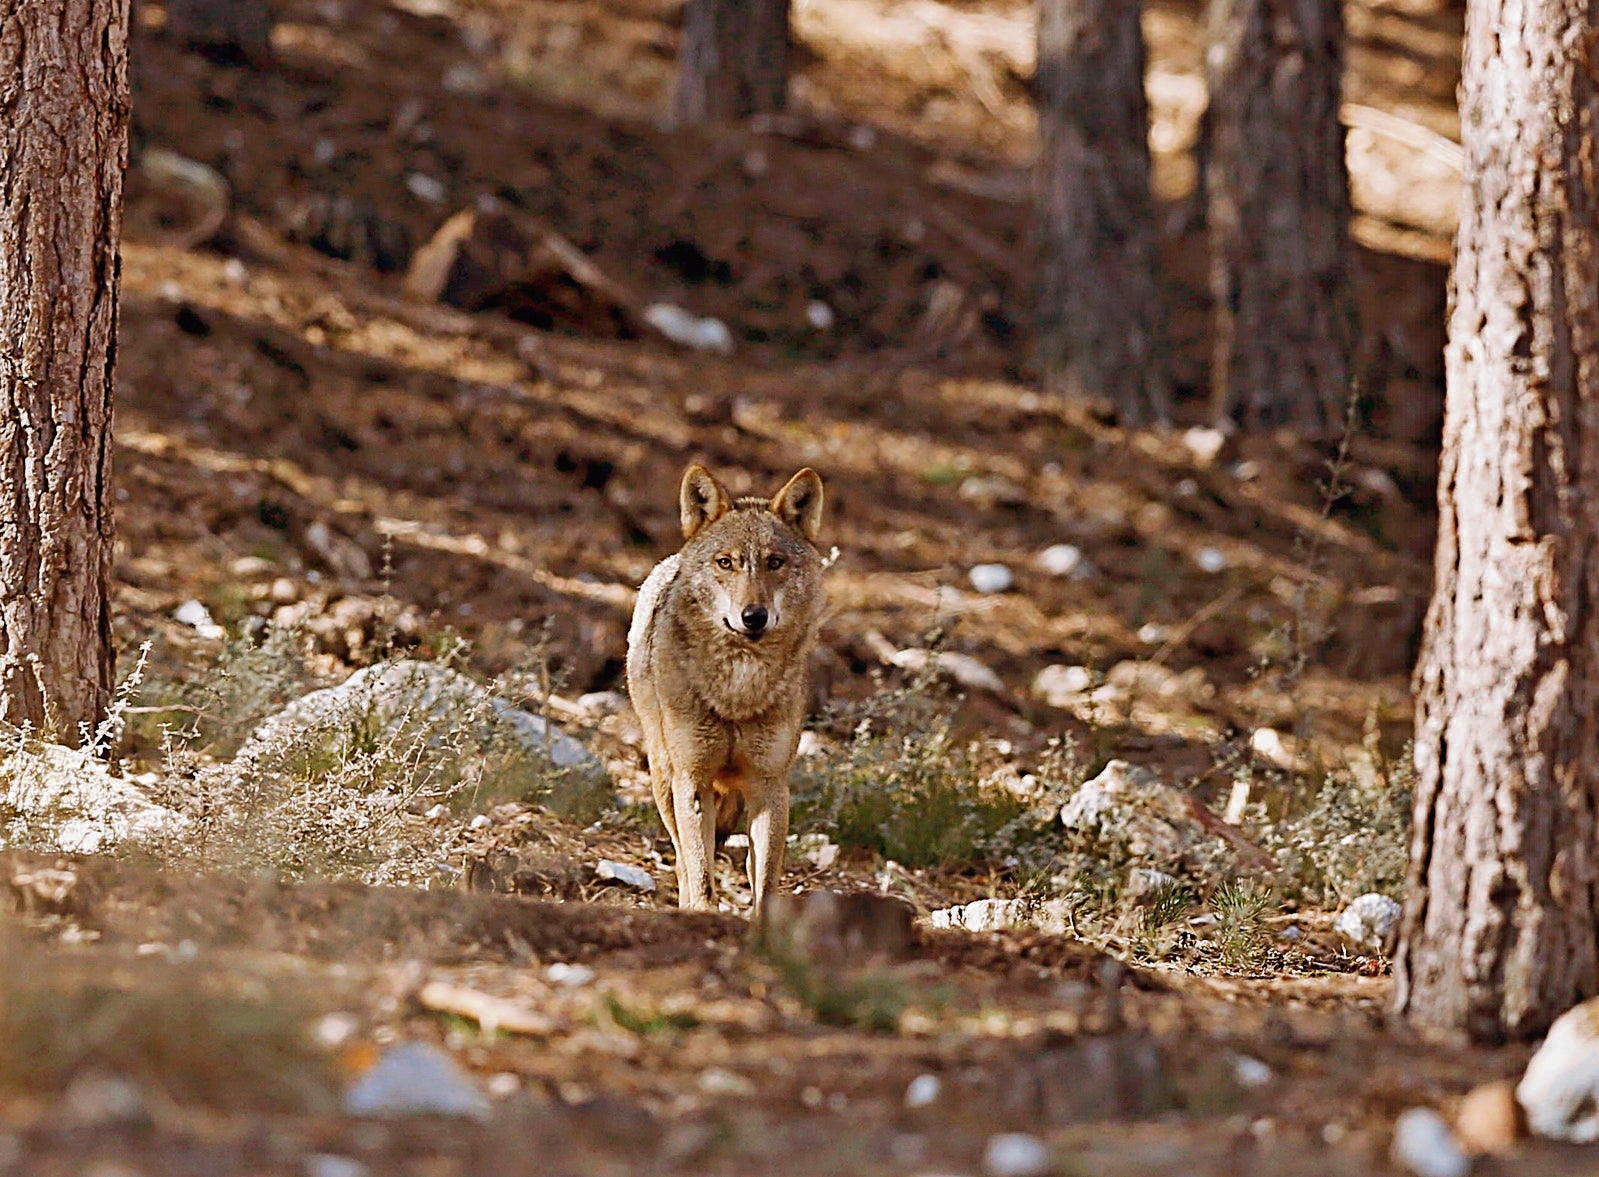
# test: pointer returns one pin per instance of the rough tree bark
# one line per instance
(1278, 193)
(228, 30)
(734, 60)
(63, 151)
(1499, 934)
(1100, 321)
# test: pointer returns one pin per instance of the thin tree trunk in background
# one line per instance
(734, 60)
(228, 30)
(1499, 933)
(1278, 192)
(1100, 321)
(63, 151)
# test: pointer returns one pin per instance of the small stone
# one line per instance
(1274, 748)
(1153, 634)
(1424, 1145)
(504, 1084)
(437, 812)
(1246, 471)
(96, 1099)
(717, 1081)
(923, 1090)
(1251, 1072)
(690, 330)
(1205, 444)
(285, 591)
(198, 618)
(1560, 1090)
(1210, 560)
(1489, 1119)
(1369, 920)
(252, 566)
(819, 315)
(625, 874)
(569, 976)
(1062, 686)
(426, 188)
(415, 1079)
(334, 1030)
(737, 848)
(1015, 1154)
(1064, 560)
(817, 849)
(324, 1164)
(481, 822)
(991, 578)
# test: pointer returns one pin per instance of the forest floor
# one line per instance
(297, 439)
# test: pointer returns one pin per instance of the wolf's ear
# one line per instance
(701, 500)
(799, 504)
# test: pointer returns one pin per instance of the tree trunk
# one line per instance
(1100, 320)
(230, 31)
(734, 60)
(1499, 934)
(63, 151)
(1278, 189)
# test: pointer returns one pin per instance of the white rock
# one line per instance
(1064, 560)
(198, 618)
(504, 1084)
(415, 1079)
(1273, 747)
(96, 1099)
(1560, 1089)
(66, 800)
(1062, 686)
(621, 872)
(923, 1090)
(963, 668)
(716, 1081)
(481, 822)
(690, 330)
(1132, 804)
(819, 315)
(1368, 920)
(1210, 560)
(1015, 1154)
(332, 1031)
(1425, 1146)
(569, 976)
(1153, 633)
(817, 849)
(993, 915)
(1204, 444)
(991, 578)
(426, 188)
(323, 1164)
(1250, 1071)
(381, 700)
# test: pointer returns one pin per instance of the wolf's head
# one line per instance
(752, 563)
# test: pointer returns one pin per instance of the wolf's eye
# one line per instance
(774, 562)
(724, 561)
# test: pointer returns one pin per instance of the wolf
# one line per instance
(717, 653)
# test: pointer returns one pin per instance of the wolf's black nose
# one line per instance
(754, 617)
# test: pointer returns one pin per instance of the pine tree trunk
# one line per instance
(1278, 191)
(1499, 933)
(63, 151)
(1100, 322)
(234, 31)
(734, 60)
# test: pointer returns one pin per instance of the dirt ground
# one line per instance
(293, 432)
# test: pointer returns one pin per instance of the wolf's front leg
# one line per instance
(695, 810)
(768, 838)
